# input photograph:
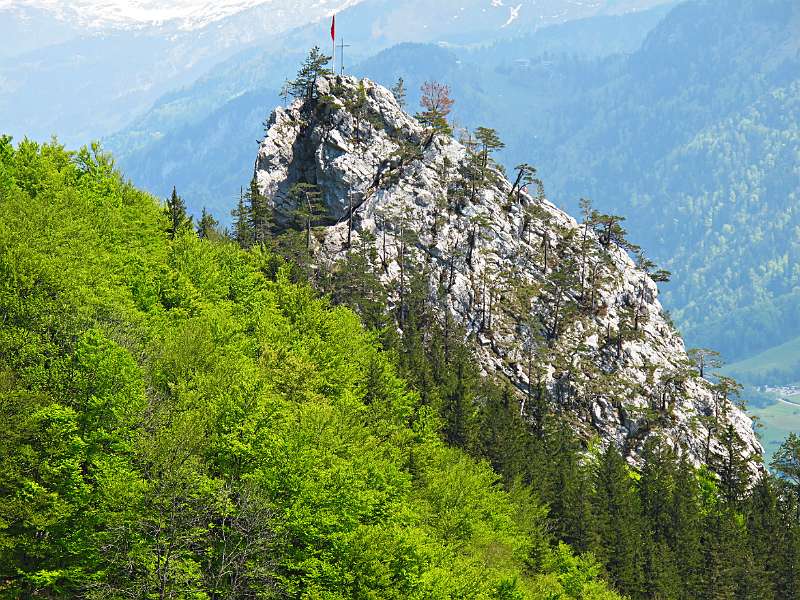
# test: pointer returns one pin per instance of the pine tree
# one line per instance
(399, 92)
(259, 214)
(703, 359)
(175, 210)
(721, 555)
(685, 536)
(786, 461)
(526, 175)
(610, 231)
(315, 66)
(489, 142)
(307, 200)
(503, 437)
(732, 467)
(566, 486)
(767, 537)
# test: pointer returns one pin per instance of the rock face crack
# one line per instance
(519, 274)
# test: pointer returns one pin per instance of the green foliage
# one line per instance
(179, 420)
(315, 66)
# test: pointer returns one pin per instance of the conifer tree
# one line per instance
(567, 487)
(399, 92)
(657, 496)
(721, 554)
(703, 359)
(610, 231)
(768, 537)
(436, 106)
(526, 175)
(315, 66)
(489, 142)
(242, 223)
(259, 214)
(732, 466)
(618, 523)
(786, 461)
(685, 536)
(503, 435)
(175, 210)
(307, 200)
(207, 227)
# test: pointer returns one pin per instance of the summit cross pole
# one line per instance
(342, 46)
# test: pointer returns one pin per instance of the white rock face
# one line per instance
(482, 248)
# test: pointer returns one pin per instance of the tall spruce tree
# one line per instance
(259, 214)
(242, 222)
(618, 524)
(178, 219)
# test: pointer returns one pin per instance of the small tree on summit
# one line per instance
(399, 92)
(176, 213)
(314, 66)
(437, 104)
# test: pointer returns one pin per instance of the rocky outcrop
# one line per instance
(548, 301)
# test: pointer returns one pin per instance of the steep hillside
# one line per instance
(177, 424)
(556, 307)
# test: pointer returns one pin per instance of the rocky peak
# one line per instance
(548, 301)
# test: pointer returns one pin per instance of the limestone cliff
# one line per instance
(547, 300)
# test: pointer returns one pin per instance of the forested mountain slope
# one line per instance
(181, 421)
(555, 306)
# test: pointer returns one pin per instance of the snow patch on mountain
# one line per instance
(183, 14)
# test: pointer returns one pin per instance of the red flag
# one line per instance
(333, 28)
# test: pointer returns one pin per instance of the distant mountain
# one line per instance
(106, 15)
(82, 70)
(25, 28)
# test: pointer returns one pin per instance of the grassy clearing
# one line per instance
(776, 366)
(777, 421)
